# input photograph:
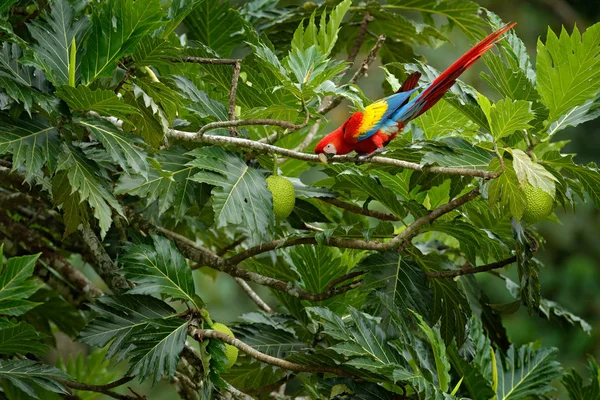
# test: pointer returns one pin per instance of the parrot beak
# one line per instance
(324, 157)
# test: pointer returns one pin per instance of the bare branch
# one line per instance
(104, 265)
(247, 122)
(471, 270)
(275, 136)
(268, 148)
(359, 210)
(312, 132)
(360, 37)
(254, 296)
(122, 82)
(232, 94)
(399, 242)
(205, 60)
(324, 109)
(201, 334)
(104, 389)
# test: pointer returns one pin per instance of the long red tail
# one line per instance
(442, 83)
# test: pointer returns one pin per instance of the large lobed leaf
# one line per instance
(29, 376)
(240, 194)
(17, 284)
(117, 28)
(160, 269)
(33, 143)
(54, 37)
(568, 69)
(526, 371)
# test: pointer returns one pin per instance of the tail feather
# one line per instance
(435, 91)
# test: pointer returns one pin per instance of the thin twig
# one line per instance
(360, 37)
(201, 334)
(312, 132)
(204, 257)
(359, 210)
(275, 136)
(104, 389)
(122, 82)
(104, 265)
(231, 246)
(254, 296)
(206, 60)
(232, 93)
(357, 75)
(236, 393)
(248, 122)
(471, 270)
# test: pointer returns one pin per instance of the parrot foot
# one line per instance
(361, 158)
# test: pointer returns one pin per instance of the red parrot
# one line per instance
(368, 131)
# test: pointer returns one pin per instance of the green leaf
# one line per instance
(550, 308)
(92, 368)
(442, 365)
(153, 51)
(361, 338)
(177, 11)
(443, 120)
(84, 177)
(240, 194)
(526, 371)
(325, 37)
(119, 318)
(104, 102)
(30, 375)
(508, 116)
(52, 311)
(124, 148)
(168, 182)
(400, 278)
(450, 306)
(117, 28)
(54, 36)
(215, 25)
(573, 382)
(160, 269)
(17, 284)
(473, 383)
(156, 348)
(506, 190)
(32, 142)
(568, 69)
(458, 153)
(20, 338)
(363, 186)
(462, 13)
(588, 111)
(535, 174)
(308, 262)
(588, 175)
(74, 211)
(268, 339)
(19, 81)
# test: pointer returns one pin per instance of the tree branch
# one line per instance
(324, 109)
(268, 148)
(359, 210)
(399, 242)
(104, 265)
(232, 93)
(104, 389)
(201, 334)
(254, 296)
(204, 257)
(471, 270)
(360, 37)
(206, 60)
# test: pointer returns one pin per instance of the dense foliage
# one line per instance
(137, 137)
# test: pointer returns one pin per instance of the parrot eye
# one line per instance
(330, 149)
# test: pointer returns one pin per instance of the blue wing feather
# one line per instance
(395, 103)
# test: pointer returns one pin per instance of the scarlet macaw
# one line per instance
(368, 131)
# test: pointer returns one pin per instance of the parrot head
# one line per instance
(334, 144)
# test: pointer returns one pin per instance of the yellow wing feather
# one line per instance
(372, 116)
